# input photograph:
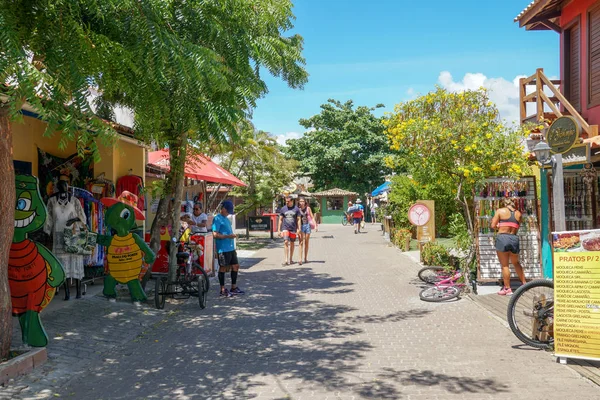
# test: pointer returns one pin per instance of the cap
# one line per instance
(228, 205)
(358, 201)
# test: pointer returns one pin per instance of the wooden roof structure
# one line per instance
(541, 15)
(335, 192)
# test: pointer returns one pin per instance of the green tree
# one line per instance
(452, 141)
(344, 147)
(190, 71)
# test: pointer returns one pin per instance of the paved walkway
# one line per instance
(347, 325)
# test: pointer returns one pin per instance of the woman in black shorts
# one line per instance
(507, 220)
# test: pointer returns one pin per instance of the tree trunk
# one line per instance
(177, 152)
(7, 216)
(161, 219)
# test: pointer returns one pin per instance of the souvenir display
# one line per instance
(487, 201)
(34, 272)
(126, 251)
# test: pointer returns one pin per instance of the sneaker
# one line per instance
(237, 290)
(225, 293)
(505, 292)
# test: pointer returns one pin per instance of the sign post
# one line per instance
(422, 215)
(259, 224)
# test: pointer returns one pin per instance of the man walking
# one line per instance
(357, 215)
(228, 261)
(289, 228)
(374, 207)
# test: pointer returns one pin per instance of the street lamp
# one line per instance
(542, 154)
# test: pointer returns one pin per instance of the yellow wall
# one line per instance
(115, 161)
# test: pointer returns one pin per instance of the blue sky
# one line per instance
(387, 51)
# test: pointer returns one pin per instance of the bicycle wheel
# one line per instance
(203, 286)
(432, 274)
(439, 293)
(531, 313)
(344, 220)
(160, 288)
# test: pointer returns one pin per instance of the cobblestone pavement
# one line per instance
(348, 325)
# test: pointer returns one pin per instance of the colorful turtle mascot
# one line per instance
(126, 250)
(33, 271)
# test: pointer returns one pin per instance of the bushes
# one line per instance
(401, 238)
(435, 254)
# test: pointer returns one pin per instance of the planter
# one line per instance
(22, 364)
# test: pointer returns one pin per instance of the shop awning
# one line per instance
(380, 189)
(197, 166)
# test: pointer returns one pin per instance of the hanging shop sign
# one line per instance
(562, 134)
(577, 294)
(578, 154)
(422, 215)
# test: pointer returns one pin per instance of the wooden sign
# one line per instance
(562, 134)
(424, 214)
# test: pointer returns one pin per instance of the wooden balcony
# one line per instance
(548, 107)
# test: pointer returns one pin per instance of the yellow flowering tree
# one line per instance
(457, 138)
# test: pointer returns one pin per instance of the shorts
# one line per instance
(289, 236)
(507, 242)
(357, 220)
(305, 228)
(228, 259)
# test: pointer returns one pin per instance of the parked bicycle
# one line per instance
(446, 285)
(531, 313)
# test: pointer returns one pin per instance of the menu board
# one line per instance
(577, 294)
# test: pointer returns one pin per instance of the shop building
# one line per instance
(576, 95)
(333, 204)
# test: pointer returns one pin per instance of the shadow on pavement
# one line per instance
(198, 354)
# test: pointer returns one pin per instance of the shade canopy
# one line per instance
(381, 188)
(197, 166)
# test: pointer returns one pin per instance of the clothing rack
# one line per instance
(93, 209)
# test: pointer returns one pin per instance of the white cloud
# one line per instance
(410, 91)
(504, 93)
(283, 138)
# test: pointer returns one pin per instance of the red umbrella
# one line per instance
(197, 166)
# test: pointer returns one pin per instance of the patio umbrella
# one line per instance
(197, 166)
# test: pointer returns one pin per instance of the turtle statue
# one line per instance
(126, 251)
(33, 271)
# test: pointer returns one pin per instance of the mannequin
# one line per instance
(62, 207)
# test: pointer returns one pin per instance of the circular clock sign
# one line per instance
(419, 214)
(562, 134)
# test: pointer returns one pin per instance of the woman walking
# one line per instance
(507, 220)
(307, 219)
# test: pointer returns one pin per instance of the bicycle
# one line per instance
(345, 220)
(445, 289)
(530, 313)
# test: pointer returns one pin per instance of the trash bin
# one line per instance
(274, 219)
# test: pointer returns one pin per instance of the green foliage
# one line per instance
(435, 254)
(450, 142)
(406, 190)
(263, 167)
(401, 237)
(344, 147)
(457, 228)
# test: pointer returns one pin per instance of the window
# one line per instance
(594, 57)
(572, 74)
(334, 203)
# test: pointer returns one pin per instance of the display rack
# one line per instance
(489, 199)
(579, 202)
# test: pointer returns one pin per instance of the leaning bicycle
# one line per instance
(531, 313)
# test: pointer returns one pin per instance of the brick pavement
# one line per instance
(348, 325)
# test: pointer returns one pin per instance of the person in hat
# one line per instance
(228, 260)
(289, 228)
(357, 216)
